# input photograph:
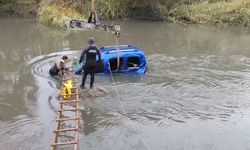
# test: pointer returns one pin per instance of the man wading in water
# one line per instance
(90, 65)
(59, 66)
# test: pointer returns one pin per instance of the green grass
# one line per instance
(112, 9)
(118, 9)
(6, 6)
(193, 11)
(214, 11)
(56, 15)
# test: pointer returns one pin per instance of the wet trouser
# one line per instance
(89, 70)
(53, 71)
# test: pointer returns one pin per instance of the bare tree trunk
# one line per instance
(92, 5)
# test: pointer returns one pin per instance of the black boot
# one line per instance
(82, 86)
(84, 76)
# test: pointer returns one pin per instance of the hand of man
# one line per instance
(66, 69)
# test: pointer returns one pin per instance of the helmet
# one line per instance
(91, 41)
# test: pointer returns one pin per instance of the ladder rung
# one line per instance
(68, 78)
(68, 94)
(65, 80)
(73, 82)
(69, 101)
(68, 129)
(71, 109)
(65, 143)
(67, 119)
(74, 87)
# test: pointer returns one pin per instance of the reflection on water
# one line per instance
(195, 95)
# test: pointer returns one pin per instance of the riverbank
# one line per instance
(57, 12)
(56, 15)
(21, 8)
(235, 12)
(5, 8)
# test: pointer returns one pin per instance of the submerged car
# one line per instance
(131, 60)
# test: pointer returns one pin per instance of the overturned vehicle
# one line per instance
(126, 59)
(82, 25)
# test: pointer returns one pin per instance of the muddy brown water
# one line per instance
(195, 96)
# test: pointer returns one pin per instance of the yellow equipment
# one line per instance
(67, 89)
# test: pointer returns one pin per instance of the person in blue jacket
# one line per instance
(90, 64)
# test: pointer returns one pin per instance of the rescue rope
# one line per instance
(123, 108)
(117, 52)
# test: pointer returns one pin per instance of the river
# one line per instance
(196, 95)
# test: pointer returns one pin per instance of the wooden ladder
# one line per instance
(68, 115)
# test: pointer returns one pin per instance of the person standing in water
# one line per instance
(90, 65)
(59, 66)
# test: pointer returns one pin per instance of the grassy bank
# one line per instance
(6, 6)
(113, 9)
(214, 11)
(56, 15)
(56, 12)
(118, 9)
(191, 11)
